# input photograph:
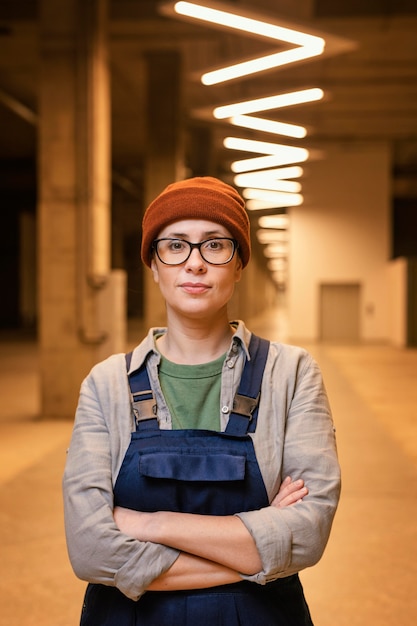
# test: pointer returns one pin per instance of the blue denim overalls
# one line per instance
(205, 472)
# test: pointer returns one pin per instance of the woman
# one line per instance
(202, 474)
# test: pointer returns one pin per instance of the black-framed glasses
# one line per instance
(218, 251)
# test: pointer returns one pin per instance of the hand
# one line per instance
(289, 493)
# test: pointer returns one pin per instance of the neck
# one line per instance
(195, 343)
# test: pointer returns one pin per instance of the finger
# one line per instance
(281, 500)
(285, 483)
(291, 487)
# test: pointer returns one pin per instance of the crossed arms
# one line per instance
(214, 550)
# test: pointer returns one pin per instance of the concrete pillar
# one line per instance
(164, 154)
(76, 328)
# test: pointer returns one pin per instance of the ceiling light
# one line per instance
(267, 178)
(261, 147)
(277, 265)
(248, 25)
(307, 45)
(267, 235)
(269, 126)
(270, 61)
(272, 197)
(270, 102)
(275, 250)
(284, 200)
(289, 186)
(259, 163)
(264, 194)
(260, 181)
(280, 278)
(274, 221)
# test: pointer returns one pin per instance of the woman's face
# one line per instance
(195, 288)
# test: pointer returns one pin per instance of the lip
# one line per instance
(195, 288)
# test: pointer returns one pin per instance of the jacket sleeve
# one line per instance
(98, 551)
(293, 538)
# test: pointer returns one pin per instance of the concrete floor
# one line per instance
(368, 574)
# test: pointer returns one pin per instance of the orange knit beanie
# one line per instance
(204, 198)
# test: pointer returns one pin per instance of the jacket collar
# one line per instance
(240, 340)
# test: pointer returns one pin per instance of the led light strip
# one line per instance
(268, 126)
(279, 221)
(263, 182)
(267, 177)
(264, 162)
(260, 64)
(308, 45)
(264, 198)
(262, 147)
(269, 102)
(248, 25)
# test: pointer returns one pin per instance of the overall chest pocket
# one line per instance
(193, 466)
(193, 481)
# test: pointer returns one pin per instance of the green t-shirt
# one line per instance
(192, 393)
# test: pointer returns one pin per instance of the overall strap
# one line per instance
(245, 405)
(142, 398)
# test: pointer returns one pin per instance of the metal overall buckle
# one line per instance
(144, 405)
(245, 405)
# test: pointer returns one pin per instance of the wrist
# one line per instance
(155, 526)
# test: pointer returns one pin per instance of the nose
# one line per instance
(195, 261)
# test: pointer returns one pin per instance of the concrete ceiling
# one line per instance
(371, 89)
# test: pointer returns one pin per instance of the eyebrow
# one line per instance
(207, 234)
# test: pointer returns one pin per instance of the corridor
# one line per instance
(368, 573)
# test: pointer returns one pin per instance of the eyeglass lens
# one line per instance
(177, 251)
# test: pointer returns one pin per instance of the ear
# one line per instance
(155, 272)
(238, 269)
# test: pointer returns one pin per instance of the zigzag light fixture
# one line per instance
(305, 45)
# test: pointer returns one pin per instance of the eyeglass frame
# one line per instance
(195, 246)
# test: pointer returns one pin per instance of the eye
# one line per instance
(176, 245)
(214, 245)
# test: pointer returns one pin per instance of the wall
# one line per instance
(398, 304)
(341, 234)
